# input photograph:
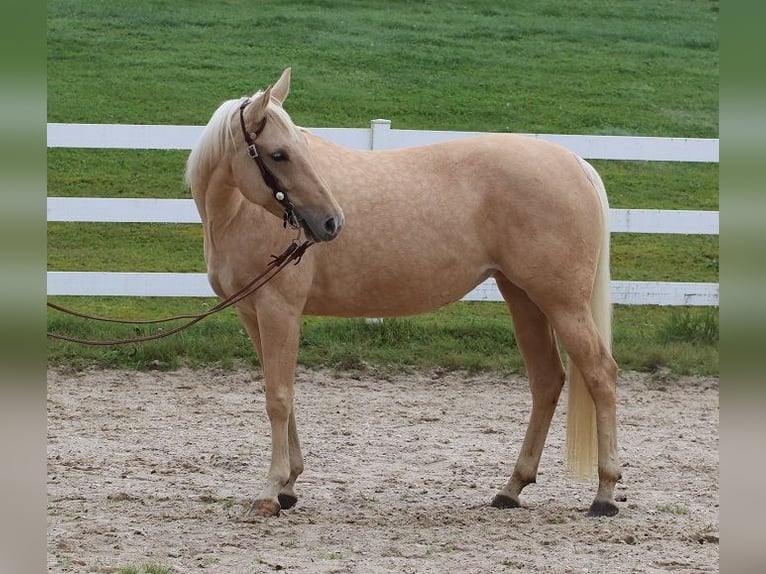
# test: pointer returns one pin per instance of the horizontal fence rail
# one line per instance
(118, 284)
(378, 136)
(140, 210)
(381, 136)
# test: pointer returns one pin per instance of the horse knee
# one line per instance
(278, 404)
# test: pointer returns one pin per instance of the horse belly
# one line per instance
(368, 294)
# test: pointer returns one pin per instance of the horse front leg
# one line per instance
(279, 335)
(287, 497)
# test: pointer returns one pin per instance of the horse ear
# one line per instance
(282, 87)
(257, 109)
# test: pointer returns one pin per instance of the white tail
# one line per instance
(582, 446)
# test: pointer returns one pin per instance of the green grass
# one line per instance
(556, 66)
(648, 68)
(467, 335)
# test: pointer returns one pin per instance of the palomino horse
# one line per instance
(419, 228)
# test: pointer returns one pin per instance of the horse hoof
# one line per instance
(287, 501)
(504, 501)
(263, 509)
(603, 508)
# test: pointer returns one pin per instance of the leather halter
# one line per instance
(271, 180)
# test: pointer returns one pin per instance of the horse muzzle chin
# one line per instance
(320, 227)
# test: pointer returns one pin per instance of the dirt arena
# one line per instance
(157, 468)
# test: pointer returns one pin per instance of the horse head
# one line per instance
(272, 165)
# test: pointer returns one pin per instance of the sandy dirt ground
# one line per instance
(156, 469)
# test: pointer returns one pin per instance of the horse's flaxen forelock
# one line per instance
(213, 143)
(217, 138)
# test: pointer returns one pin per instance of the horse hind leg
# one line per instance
(537, 343)
(591, 360)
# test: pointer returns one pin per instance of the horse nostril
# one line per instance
(331, 226)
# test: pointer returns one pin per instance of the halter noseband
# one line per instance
(269, 178)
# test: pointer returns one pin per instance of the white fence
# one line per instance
(378, 136)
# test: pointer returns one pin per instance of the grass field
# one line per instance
(648, 68)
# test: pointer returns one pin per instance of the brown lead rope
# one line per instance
(294, 252)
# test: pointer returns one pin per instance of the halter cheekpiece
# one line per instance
(271, 180)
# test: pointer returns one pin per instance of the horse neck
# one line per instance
(332, 156)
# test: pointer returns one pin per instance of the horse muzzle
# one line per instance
(319, 225)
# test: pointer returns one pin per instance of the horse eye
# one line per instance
(279, 156)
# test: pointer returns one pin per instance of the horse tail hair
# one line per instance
(582, 444)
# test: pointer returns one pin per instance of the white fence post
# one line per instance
(380, 134)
